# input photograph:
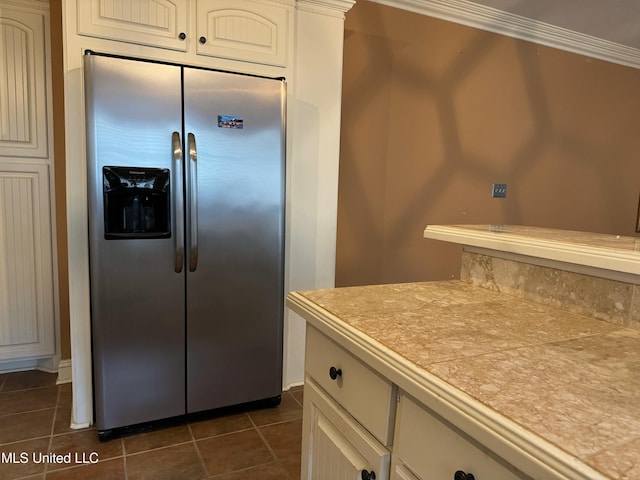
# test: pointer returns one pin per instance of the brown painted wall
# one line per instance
(435, 112)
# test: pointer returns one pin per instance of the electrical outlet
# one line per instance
(499, 190)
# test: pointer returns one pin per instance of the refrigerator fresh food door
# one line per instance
(137, 298)
(235, 181)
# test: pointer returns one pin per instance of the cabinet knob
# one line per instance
(368, 475)
(335, 373)
(203, 40)
(460, 475)
(182, 36)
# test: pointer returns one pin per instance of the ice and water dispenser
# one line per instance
(137, 203)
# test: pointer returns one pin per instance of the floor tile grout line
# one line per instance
(58, 412)
(74, 467)
(28, 411)
(294, 397)
(264, 440)
(155, 449)
(220, 475)
(198, 452)
(223, 434)
(124, 459)
(7, 444)
(53, 426)
(30, 389)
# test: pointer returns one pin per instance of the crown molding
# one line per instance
(333, 8)
(498, 21)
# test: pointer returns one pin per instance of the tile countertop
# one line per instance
(610, 252)
(569, 381)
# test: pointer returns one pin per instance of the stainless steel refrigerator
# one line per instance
(186, 202)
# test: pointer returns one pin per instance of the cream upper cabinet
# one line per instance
(243, 30)
(23, 113)
(158, 23)
(247, 30)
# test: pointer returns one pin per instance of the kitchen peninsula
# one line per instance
(526, 367)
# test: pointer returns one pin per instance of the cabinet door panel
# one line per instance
(158, 23)
(335, 446)
(23, 113)
(243, 30)
(334, 457)
(26, 291)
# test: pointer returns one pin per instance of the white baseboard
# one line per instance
(18, 366)
(289, 386)
(63, 367)
(64, 372)
(79, 426)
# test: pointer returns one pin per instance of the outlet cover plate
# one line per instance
(499, 190)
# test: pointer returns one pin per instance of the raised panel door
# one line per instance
(158, 23)
(243, 30)
(23, 114)
(335, 446)
(26, 291)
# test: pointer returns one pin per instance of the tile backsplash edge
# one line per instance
(616, 302)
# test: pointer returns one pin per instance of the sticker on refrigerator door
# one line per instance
(230, 121)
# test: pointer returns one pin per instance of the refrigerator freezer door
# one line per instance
(137, 298)
(235, 296)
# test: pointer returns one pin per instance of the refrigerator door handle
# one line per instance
(193, 202)
(178, 203)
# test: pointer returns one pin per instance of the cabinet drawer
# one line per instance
(434, 449)
(366, 395)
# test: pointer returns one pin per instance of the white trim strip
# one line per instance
(64, 372)
(600, 257)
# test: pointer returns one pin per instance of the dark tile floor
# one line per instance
(34, 421)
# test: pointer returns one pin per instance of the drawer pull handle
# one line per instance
(182, 36)
(335, 373)
(368, 475)
(203, 40)
(460, 475)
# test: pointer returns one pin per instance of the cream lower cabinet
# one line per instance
(26, 288)
(338, 448)
(427, 447)
(347, 421)
(358, 425)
